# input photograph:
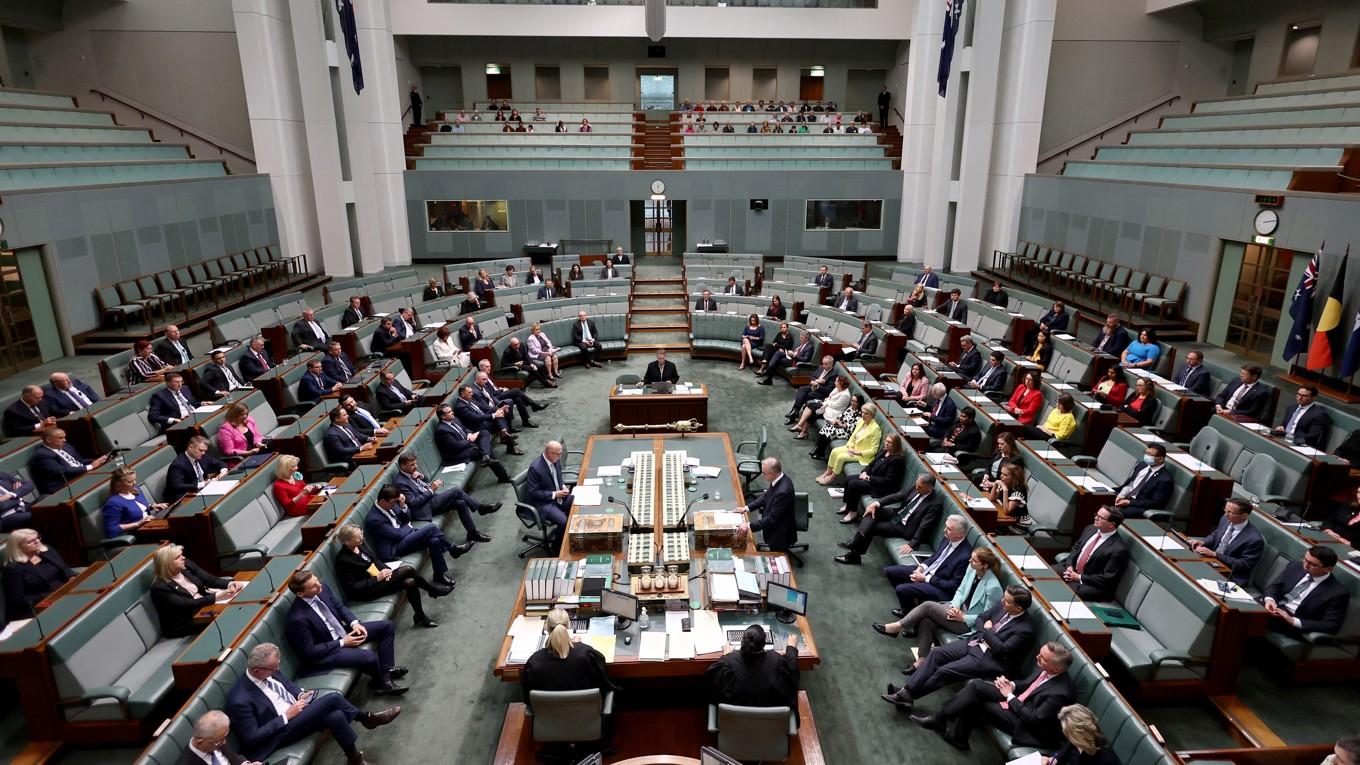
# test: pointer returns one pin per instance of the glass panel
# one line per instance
(844, 214)
(658, 91)
(470, 215)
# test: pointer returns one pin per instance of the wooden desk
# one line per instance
(657, 408)
(210, 612)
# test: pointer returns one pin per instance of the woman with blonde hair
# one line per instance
(364, 577)
(541, 350)
(180, 588)
(238, 437)
(1085, 744)
(291, 492)
(31, 573)
(127, 507)
(861, 447)
(563, 665)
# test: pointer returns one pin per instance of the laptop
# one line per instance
(662, 387)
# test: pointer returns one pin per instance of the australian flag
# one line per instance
(344, 10)
(1301, 308)
(953, 9)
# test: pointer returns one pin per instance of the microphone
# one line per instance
(221, 642)
(632, 520)
(701, 498)
(42, 634)
(265, 570)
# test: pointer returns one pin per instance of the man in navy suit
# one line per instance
(816, 389)
(775, 504)
(268, 711)
(388, 528)
(866, 345)
(801, 354)
(457, 444)
(1305, 424)
(336, 364)
(910, 514)
(29, 415)
(476, 417)
(823, 278)
(172, 403)
(424, 500)
(1002, 636)
(1245, 396)
(355, 313)
(393, 396)
(15, 495)
(928, 278)
(469, 334)
(307, 333)
(1234, 542)
(217, 378)
(65, 394)
(55, 463)
(173, 348)
(362, 421)
(316, 383)
(341, 442)
(943, 411)
(733, 287)
(846, 301)
(954, 309)
(489, 390)
(970, 358)
(1305, 597)
(549, 493)
(1112, 338)
(255, 362)
(209, 743)
(1098, 558)
(384, 337)
(991, 378)
(191, 470)
(326, 635)
(936, 577)
(1148, 487)
(1194, 375)
(548, 291)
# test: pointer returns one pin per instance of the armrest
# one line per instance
(116, 692)
(1084, 461)
(122, 540)
(793, 723)
(571, 477)
(1322, 638)
(1052, 532)
(245, 551)
(1275, 499)
(712, 718)
(286, 419)
(1158, 516)
(747, 464)
(1062, 557)
(737, 449)
(885, 377)
(1159, 656)
(608, 704)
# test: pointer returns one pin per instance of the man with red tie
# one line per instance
(1098, 558)
(255, 362)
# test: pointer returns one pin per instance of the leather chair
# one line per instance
(753, 733)
(568, 717)
(536, 529)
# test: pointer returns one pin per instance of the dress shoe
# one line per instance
(397, 672)
(388, 688)
(445, 580)
(549, 385)
(850, 518)
(540, 407)
(426, 622)
(379, 718)
(882, 629)
(514, 451)
(478, 537)
(898, 697)
(929, 722)
(960, 744)
(766, 381)
(440, 590)
(356, 759)
(489, 509)
(458, 551)
(899, 613)
(528, 424)
(849, 559)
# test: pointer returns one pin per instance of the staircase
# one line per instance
(415, 136)
(657, 153)
(891, 140)
(658, 314)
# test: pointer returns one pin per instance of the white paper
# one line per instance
(630, 391)
(602, 626)
(1308, 451)
(17, 624)
(652, 647)
(981, 503)
(1236, 593)
(460, 467)
(675, 621)
(707, 632)
(1049, 454)
(525, 625)
(592, 482)
(1256, 426)
(722, 588)
(217, 488)
(692, 462)
(587, 495)
(609, 470)
(1164, 543)
(1090, 484)
(681, 645)
(706, 472)
(1033, 758)
(1074, 610)
(1030, 562)
(521, 648)
(207, 409)
(1148, 438)
(728, 518)
(1189, 461)
(1064, 336)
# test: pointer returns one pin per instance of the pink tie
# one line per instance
(1086, 552)
(1038, 681)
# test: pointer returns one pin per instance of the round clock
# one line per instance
(658, 187)
(1266, 222)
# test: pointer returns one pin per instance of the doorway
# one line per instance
(812, 85)
(21, 342)
(656, 89)
(1300, 49)
(1241, 66)
(658, 227)
(1259, 301)
(498, 86)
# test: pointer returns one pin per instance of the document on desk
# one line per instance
(1030, 562)
(601, 626)
(609, 471)
(1190, 462)
(1147, 438)
(653, 647)
(1033, 758)
(681, 645)
(1064, 336)
(605, 644)
(692, 462)
(722, 588)
(522, 647)
(525, 625)
(708, 634)
(587, 495)
(706, 472)
(1256, 426)
(727, 518)
(981, 503)
(1089, 483)
(1073, 610)
(207, 409)
(592, 482)
(460, 467)
(1050, 454)
(1214, 587)
(1164, 543)
(1309, 451)
(630, 391)
(217, 488)
(18, 624)
(675, 621)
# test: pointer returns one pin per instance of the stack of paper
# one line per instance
(460, 467)
(604, 644)
(215, 488)
(1234, 593)
(207, 409)
(1073, 610)
(706, 472)
(1030, 562)
(610, 471)
(722, 588)
(1164, 543)
(708, 634)
(653, 647)
(587, 495)
(681, 645)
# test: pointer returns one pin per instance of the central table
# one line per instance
(648, 408)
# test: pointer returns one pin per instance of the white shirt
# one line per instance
(281, 703)
(333, 624)
(1294, 420)
(212, 758)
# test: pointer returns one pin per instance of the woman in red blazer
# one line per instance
(238, 437)
(290, 491)
(1027, 400)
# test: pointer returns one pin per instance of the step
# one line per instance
(657, 318)
(672, 327)
(650, 347)
(670, 307)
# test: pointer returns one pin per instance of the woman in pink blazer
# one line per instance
(238, 437)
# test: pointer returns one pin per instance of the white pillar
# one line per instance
(920, 106)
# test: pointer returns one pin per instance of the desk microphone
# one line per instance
(221, 641)
(265, 570)
(684, 522)
(42, 634)
(631, 518)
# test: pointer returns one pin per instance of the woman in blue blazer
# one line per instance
(127, 507)
(979, 591)
(752, 336)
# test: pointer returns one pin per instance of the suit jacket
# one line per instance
(1147, 413)
(885, 472)
(301, 334)
(969, 439)
(338, 368)
(176, 607)
(351, 317)
(867, 344)
(1038, 715)
(389, 399)
(1057, 322)
(706, 305)
(351, 571)
(656, 374)
(1198, 379)
(996, 380)
(1009, 645)
(431, 293)
(544, 293)
(1312, 429)
(823, 280)
(482, 287)
(187, 757)
(417, 500)
(307, 633)
(1324, 610)
(954, 312)
(609, 273)
(769, 679)
(950, 573)
(1155, 492)
(254, 722)
(824, 377)
(60, 403)
(252, 366)
(468, 339)
(1105, 566)
(970, 363)
(578, 337)
(22, 493)
(942, 416)
(998, 299)
(163, 406)
(931, 280)
(454, 448)
(338, 446)
(776, 516)
(51, 472)
(1242, 554)
(382, 535)
(212, 378)
(382, 340)
(167, 351)
(841, 303)
(733, 289)
(180, 478)
(1254, 402)
(918, 528)
(1118, 341)
(541, 482)
(311, 389)
(472, 416)
(803, 354)
(19, 420)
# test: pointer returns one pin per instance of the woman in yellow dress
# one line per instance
(862, 446)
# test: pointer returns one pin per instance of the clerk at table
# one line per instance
(754, 677)
(660, 370)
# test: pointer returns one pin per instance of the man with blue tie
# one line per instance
(954, 309)
(192, 470)
(388, 527)
(268, 711)
(337, 365)
(1305, 597)
(341, 443)
(15, 494)
(991, 379)
(254, 362)
(490, 392)
(970, 358)
(1244, 397)
(823, 278)
(56, 463)
(393, 396)
(29, 415)
(316, 383)
(65, 394)
(866, 345)
(1234, 542)
(326, 635)
(928, 278)
(458, 445)
(549, 494)
(172, 403)
(1194, 375)
(424, 500)
(937, 577)
(172, 349)
(775, 504)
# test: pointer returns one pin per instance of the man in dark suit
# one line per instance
(1098, 558)
(846, 301)
(585, 336)
(549, 290)
(307, 334)
(907, 324)
(1001, 637)
(29, 415)
(469, 334)
(778, 359)
(970, 358)
(15, 497)
(823, 381)
(384, 338)
(1305, 424)
(492, 397)
(548, 493)
(388, 528)
(326, 635)
(1148, 487)
(173, 349)
(217, 379)
(1055, 320)
(733, 287)
(56, 463)
(609, 271)
(405, 322)
(706, 302)
(1244, 397)
(1305, 597)
(1112, 338)
(1027, 710)
(619, 257)
(191, 470)
(316, 383)
(355, 313)
(660, 370)
(255, 362)
(866, 345)
(341, 442)
(515, 355)
(991, 378)
(393, 396)
(936, 577)
(776, 508)
(534, 276)
(458, 445)
(479, 413)
(471, 303)
(928, 278)
(965, 436)
(823, 278)
(209, 745)
(172, 403)
(942, 413)
(1194, 375)
(361, 420)
(996, 296)
(65, 394)
(337, 364)
(424, 500)
(255, 700)
(1234, 542)
(910, 514)
(954, 309)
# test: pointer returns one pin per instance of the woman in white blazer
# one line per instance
(832, 407)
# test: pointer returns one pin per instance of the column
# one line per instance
(921, 108)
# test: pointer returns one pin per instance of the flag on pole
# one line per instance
(953, 9)
(344, 11)
(1301, 307)
(1351, 362)
(1320, 352)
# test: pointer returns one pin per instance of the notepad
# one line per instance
(587, 495)
(1214, 586)
(609, 471)
(217, 488)
(1030, 562)
(207, 409)
(592, 482)
(706, 472)
(460, 467)
(652, 647)
(605, 644)
(981, 503)
(681, 645)
(708, 634)
(1164, 543)
(1073, 610)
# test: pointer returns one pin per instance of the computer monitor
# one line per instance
(786, 600)
(710, 756)
(624, 605)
